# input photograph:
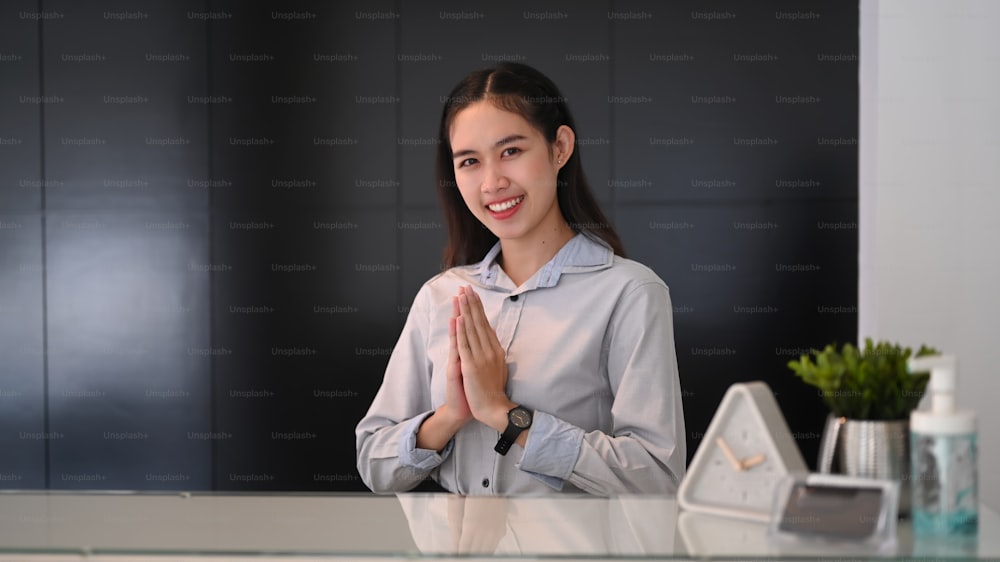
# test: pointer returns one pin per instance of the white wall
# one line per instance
(930, 193)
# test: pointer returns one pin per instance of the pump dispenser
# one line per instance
(943, 456)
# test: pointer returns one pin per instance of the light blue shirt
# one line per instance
(590, 348)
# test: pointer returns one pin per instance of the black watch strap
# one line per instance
(518, 419)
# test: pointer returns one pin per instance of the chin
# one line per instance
(499, 230)
(504, 231)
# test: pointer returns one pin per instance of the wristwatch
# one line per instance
(518, 419)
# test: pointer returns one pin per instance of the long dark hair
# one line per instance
(517, 88)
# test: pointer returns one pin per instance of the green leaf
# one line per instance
(867, 383)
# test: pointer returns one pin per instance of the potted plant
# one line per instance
(868, 384)
(870, 394)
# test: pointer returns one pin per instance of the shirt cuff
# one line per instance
(421, 459)
(551, 450)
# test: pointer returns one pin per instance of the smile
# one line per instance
(509, 204)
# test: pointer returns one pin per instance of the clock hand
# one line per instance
(753, 461)
(737, 465)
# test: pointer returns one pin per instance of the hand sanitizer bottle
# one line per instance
(942, 457)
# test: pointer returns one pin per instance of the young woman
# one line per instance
(542, 360)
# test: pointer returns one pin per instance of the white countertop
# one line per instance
(145, 526)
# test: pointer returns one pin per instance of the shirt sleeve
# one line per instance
(388, 458)
(646, 450)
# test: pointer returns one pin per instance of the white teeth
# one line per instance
(500, 207)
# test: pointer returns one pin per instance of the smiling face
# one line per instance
(506, 171)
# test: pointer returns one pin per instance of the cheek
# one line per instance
(545, 171)
(469, 192)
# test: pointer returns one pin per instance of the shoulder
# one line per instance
(595, 257)
(634, 275)
(643, 296)
(442, 286)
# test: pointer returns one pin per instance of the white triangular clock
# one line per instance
(746, 452)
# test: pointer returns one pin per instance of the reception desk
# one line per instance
(222, 527)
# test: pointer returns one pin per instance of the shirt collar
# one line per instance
(581, 254)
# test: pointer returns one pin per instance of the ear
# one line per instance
(564, 144)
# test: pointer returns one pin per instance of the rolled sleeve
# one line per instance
(552, 449)
(419, 459)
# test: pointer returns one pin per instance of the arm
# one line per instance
(645, 451)
(389, 459)
(444, 423)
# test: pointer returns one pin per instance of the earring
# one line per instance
(559, 161)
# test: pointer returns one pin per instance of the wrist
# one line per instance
(496, 415)
(519, 421)
(438, 429)
(447, 418)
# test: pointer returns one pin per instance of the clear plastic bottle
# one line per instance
(943, 457)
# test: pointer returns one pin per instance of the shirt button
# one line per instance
(486, 482)
(514, 298)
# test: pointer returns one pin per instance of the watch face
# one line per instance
(520, 418)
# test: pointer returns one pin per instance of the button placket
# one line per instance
(510, 314)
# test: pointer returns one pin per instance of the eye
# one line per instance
(511, 151)
(466, 162)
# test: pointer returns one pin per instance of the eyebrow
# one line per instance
(504, 141)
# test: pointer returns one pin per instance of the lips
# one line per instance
(505, 205)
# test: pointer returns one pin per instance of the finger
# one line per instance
(487, 337)
(452, 341)
(468, 323)
(465, 353)
(454, 307)
(452, 330)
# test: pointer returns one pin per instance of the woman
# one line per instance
(547, 365)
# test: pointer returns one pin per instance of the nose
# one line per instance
(494, 179)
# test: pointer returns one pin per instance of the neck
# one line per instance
(522, 258)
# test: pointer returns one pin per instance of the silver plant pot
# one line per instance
(869, 449)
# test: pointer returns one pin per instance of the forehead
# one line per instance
(481, 124)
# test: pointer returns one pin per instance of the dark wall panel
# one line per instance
(309, 144)
(725, 183)
(23, 435)
(127, 246)
(124, 134)
(129, 361)
(21, 107)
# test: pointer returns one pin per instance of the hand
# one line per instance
(737, 465)
(449, 417)
(483, 362)
(458, 405)
(753, 461)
